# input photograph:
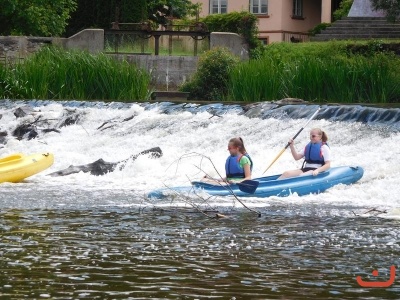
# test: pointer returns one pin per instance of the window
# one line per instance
(297, 8)
(218, 6)
(259, 6)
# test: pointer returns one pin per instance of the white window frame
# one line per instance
(218, 6)
(297, 8)
(257, 6)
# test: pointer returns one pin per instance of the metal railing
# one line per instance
(140, 38)
(295, 37)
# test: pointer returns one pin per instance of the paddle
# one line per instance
(287, 145)
(248, 186)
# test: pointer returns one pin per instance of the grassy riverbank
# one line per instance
(53, 73)
(341, 72)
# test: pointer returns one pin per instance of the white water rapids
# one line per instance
(184, 137)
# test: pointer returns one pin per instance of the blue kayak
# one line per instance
(270, 186)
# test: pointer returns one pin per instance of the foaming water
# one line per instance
(84, 236)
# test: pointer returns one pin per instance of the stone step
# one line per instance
(363, 25)
(362, 19)
(360, 30)
(325, 37)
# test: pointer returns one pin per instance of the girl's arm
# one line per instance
(247, 172)
(296, 155)
(325, 167)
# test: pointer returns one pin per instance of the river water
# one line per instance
(99, 237)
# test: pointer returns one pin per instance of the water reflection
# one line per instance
(119, 253)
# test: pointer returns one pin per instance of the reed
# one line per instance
(53, 73)
(315, 76)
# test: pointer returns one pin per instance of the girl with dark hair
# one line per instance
(238, 165)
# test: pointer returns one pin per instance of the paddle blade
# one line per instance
(248, 186)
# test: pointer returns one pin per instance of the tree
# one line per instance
(35, 17)
(343, 10)
(391, 7)
(100, 13)
(160, 10)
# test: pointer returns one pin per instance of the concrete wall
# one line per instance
(91, 40)
(168, 72)
(234, 42)
(19, 47)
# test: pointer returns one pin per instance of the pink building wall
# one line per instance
(278, 25)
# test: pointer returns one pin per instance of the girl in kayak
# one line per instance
(317, 155)
(238, 165)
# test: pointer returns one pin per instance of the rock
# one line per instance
(23, 111)
(3, 139)
(101, 167)
(27, 131)
(69, 117)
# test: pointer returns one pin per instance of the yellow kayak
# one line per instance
(17, 167)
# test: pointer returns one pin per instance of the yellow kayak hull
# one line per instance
(17, 167)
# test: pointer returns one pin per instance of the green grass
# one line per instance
(53, 73)
(321, 72)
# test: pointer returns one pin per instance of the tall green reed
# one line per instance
(53, 73)
(344, 79)
(256, 80)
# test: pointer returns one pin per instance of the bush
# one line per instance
(210, 82)
(243, 23)
(317, 29)
(391, 7)
(343, 10)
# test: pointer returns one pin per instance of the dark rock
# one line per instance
(101, 167)
(23, 111)
(27, 131)
(69, 117)
(3, 139)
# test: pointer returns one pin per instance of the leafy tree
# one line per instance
(101, 13)
(343, 10)
(160, 10)
(139, 11)
(392, 8)
(91, 14)
(35, 17)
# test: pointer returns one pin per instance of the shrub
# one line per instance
(210, 82)
(317, 29)
(391, 7)
(243, 23)
(343, 10)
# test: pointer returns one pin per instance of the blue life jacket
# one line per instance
(313, 153)
(232, 166)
